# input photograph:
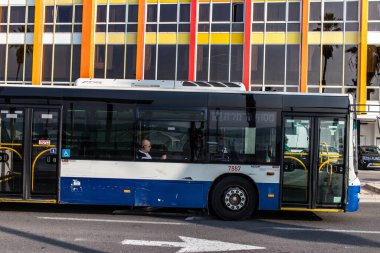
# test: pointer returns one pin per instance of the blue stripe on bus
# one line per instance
(269, 196)
(159, 193)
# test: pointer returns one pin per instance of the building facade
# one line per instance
(315, 46)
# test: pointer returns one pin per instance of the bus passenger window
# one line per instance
(243, 136)
(174, 136)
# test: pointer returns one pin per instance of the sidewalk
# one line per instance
(370, 192)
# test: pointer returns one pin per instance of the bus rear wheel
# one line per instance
(233, 198)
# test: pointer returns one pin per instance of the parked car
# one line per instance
(369, 157)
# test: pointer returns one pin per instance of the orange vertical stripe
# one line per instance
(88, 39)
(247, 45)
(38, 43)
(140, 41)
(363, 51)
(304, 45)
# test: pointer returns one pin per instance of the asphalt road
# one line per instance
(31, 228)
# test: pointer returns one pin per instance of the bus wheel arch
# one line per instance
(233, 197)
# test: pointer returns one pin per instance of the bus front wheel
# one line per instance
(233, 198)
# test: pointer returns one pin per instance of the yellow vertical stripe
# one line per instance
(38, 43)
(363, 56)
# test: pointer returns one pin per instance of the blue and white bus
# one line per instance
(228, 151)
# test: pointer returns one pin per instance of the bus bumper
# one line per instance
(353, 196)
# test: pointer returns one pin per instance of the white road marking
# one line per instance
(190, 244)
(114, 221)
(328, 230)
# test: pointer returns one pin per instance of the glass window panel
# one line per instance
(221, 12)
(351, 65)
(292, 64)
(220, 27)
(100, 28)
(2, 61)
(63, 28)
(204, 12)
(258, 27)
(333, 11)
(276, 11)
(116, 28)
(373, 63)
(115, 60)
(167, 28)
(294, 11)
(332, 60)
(294, 27)
(315, 11)
(184, 28)
(116, 13)
(133, 10)
(168, 12)
(48, 28)
(151, 13)
(64, 14)
(274, 64)
(16, 61)
(132, 28)
(257, 64)
(313, 75)
(151, 28)
(47, 62)
(243, 136)
(237, 27)
(374, 27)
(374, 10)
(31, 14)
(166, 62)
(276, 27)
(78, 13)
(76, 62)
(219, 61)
(354, 27)
(17, 14)
(202, 62)
(17, 28)
(183, 62)
(314, 26)
(49, 14)
(77, 28)
(101, 13)
(28, 63)
(236, 63)
(130, 65)
(184, 11)
(258, 11)
(332, 27)
(3, 14)
(99, 64)
(62, 55)
(203, 27)
(150, 62)
(29, 28)
(352, 11)
(237, 12)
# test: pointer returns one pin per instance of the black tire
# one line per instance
(233, 198)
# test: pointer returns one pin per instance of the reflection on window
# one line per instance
(313, 75)
(174, 136)
(274, 64)
(150, 62)
(202, 62)
(332, 64)
(19, 56)
(243, 136)
(373, 71)
(172, 18)
(166, 62)
(351, 66)
(99, 130)
(257, 64)
(219, 59)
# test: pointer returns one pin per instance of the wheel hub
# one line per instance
(235, 198)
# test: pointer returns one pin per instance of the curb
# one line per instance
(372, 187)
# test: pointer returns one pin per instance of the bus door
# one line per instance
(313, 162)
(29, 153)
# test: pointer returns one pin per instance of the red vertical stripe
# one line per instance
(247, 45)
(193, 39)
